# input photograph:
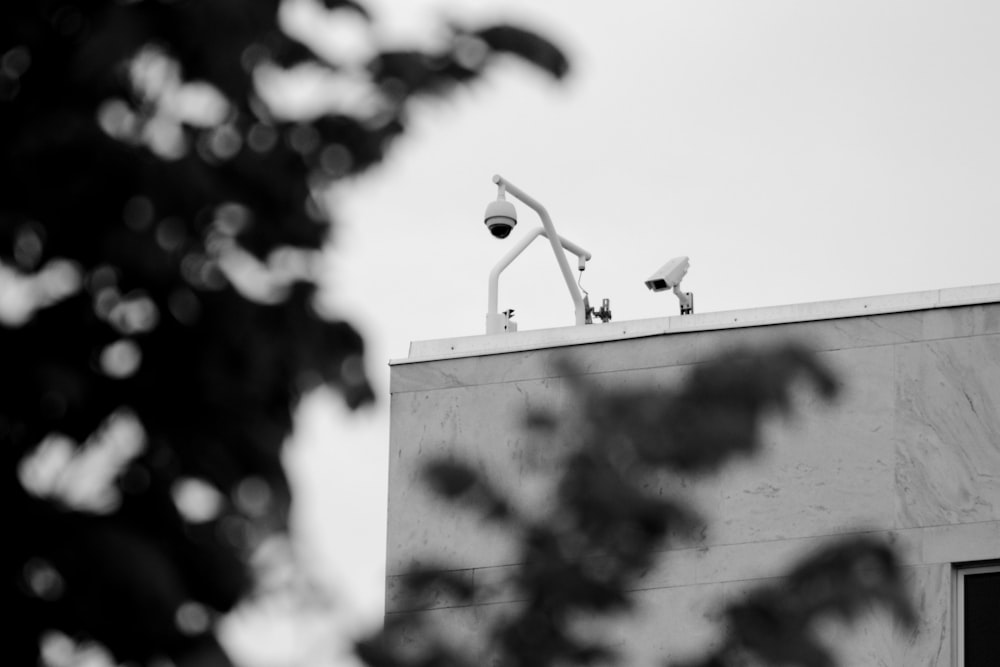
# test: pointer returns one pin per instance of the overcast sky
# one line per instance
(795, 151)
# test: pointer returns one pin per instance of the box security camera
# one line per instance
(669, 275)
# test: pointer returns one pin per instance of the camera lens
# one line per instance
(500, 230)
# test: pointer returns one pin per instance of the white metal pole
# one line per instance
(554, 240)
(492, 314)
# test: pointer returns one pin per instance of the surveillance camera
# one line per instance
(500, 218)
(669, 275)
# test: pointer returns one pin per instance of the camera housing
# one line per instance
(669, 275)
(500, 218)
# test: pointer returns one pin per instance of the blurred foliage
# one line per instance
(160, 221)
(619, 496)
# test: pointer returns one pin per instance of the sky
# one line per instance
(795, 151)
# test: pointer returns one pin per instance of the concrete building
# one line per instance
(911, 452)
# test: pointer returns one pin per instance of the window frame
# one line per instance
(961, 571)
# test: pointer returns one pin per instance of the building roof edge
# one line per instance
(521, 341)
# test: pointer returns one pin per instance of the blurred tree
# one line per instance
(617, 500)
(160, 219)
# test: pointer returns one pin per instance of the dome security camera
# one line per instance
(500, 218)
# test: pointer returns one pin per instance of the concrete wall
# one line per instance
(910, 451)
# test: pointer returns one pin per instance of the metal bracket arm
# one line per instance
(494, 320)
(580, 310)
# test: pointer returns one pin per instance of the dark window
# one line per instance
(979, 616)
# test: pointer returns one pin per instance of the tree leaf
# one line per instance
(527, 45)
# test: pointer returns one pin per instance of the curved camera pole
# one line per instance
(496, 322)
(557, 243)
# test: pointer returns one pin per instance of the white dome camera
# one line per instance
(500, 218)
